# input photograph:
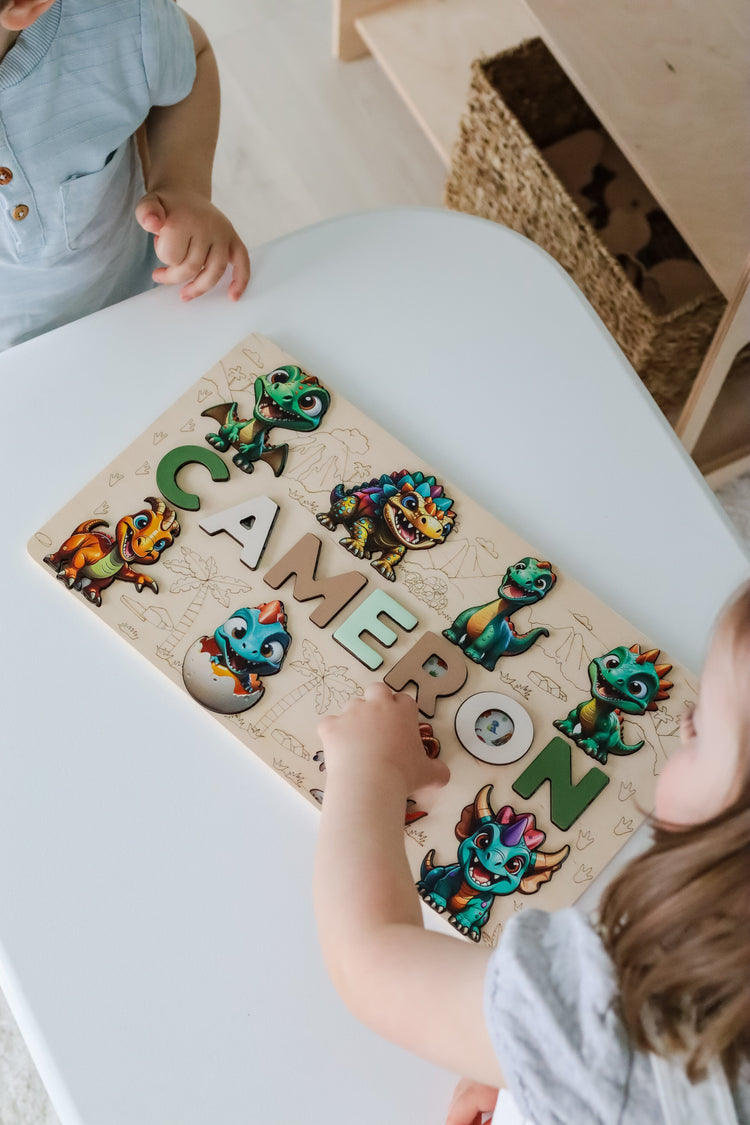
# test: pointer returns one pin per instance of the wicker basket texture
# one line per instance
(499, 173)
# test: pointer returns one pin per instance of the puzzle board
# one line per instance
(252, 606)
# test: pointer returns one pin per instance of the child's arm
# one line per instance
(422, 990)
(193, 238)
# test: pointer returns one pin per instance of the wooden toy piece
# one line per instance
(574, 158)
(392, 514)
(479, 730)
(176, 459)
(411, 669)
(566, 800)
(223, 671)
(622, 681)
(497, 855)
(503, 669)
(90, 561)
(288, 398)
(302, 562)
(250, 523)
(486, 632)
(366, 619)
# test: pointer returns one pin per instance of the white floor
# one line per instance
(303, 137)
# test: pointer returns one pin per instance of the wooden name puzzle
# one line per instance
(272, 551)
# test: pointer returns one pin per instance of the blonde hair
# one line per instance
(676, 920)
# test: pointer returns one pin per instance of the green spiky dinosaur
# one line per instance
(623, 680)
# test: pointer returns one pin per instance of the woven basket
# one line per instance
(520, 102)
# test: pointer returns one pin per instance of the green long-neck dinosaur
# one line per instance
(485, 632)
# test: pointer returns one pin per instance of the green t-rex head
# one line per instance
(629, 679)
(291, 398)
(527, 581)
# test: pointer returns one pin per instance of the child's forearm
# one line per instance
(419, 989)
(364, 892)
(362, 877)
(182, 137)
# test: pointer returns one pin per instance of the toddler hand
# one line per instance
(195, 241)
(470, 1102)
(377, 734)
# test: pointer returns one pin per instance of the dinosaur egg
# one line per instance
(213, 685)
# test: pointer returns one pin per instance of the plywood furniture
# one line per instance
(426, 48)
(717, 404)
(668, 80)
(157, 940)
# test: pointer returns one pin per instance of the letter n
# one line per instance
(566, 800)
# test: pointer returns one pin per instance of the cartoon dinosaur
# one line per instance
(90, 561)
(622, 680)
(287, 397)
(250, 644)
(498, 854)
(394, 514)
(486, 633)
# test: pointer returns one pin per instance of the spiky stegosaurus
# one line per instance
(392, 514)
(624, 680)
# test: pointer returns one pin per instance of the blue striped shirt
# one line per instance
(74, 88)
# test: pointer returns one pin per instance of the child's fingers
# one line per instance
(150, 213)
(174, 244)
(212, 272)
(326, 727)
(240, 260)
(183, 256)
(436, 775)
(378, 691)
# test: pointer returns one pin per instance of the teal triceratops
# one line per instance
(486, 632)
(287, 397)
(498, 854)
(624, 680)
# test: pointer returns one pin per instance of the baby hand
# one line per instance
(470, 1102)
(379, 734)
(195, 241)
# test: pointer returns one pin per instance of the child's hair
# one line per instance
(676, 920)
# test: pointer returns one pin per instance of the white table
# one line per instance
(154, 984)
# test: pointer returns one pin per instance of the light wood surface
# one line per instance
(669, 80)
(426, 48)
(347, 43)
(723, 449)
(731, 335)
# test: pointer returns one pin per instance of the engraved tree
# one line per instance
(332, 687)
(199, 574)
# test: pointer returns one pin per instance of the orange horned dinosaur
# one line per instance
(90, 561)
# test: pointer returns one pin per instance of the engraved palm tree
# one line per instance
(199, 574)
(332, 686)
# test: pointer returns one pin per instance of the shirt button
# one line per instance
(5, 176)
(20, 212)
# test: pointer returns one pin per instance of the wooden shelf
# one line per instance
(426, 47)
(723, 450)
